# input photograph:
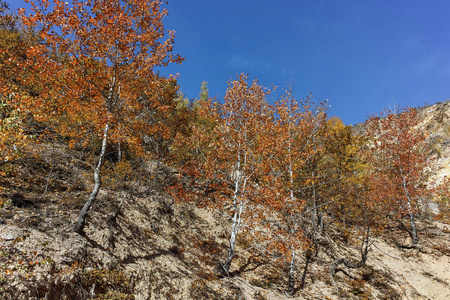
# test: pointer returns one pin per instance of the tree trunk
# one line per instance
(353, 265)
(305, 270)
(79, 227)
(291, 281)
(234, 231)
(314, 214)
(320, 222)
(414, 236)
(238, 205)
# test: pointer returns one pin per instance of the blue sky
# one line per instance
(362, 55)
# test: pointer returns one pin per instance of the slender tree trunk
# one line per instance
(414, 236)
(305, 270)
(119, 158)
(234, 232)
(320, 222)
(316, 218)
(314, 214)
(238, 205)
(79, 227)
(291, 281)
(349, 264)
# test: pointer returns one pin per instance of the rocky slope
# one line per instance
(139, 244)
(436, 123)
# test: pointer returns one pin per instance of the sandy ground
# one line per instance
(419, 275)
(143, 245)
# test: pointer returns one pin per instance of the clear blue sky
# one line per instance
(363, 55)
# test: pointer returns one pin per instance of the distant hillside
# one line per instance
(436, 123)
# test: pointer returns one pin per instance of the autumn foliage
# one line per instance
(288, 162)
(281, 171)
(247, 155)
(227, 152)
(401, 165)
(14, 42)
(94, 78)
(96, 67)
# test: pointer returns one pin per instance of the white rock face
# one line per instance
(436, 123)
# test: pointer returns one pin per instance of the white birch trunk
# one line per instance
(291, 281)
(238, 206)
(79, 227)
(314, 215)
(234, 232)
(414, 236)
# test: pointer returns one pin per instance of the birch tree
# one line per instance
(295, 129)
(399, 163)
(227, 152)
(96, 71)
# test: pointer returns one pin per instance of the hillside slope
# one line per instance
(153, 251)
(139, 244)
(436, 123)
